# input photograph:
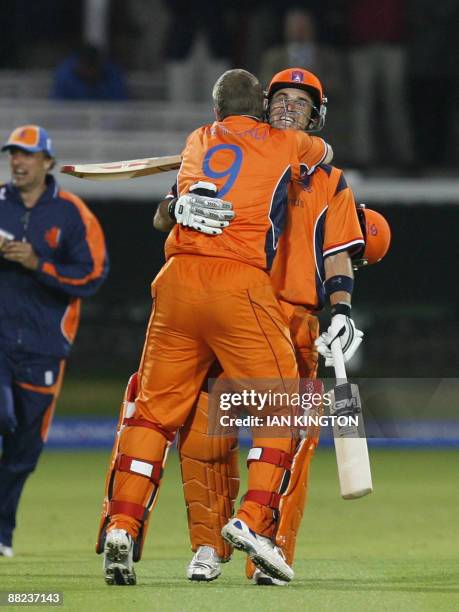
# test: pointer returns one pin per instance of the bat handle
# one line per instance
(338, 360)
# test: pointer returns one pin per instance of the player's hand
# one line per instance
(22, 253)
(203, 214)
(343, 327)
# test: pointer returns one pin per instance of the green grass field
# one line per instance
(394, 550)
(100, 396)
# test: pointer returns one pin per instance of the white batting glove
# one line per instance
(201, 213)
(343, 327)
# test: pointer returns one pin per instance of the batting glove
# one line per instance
(342, 327)
(201, 213)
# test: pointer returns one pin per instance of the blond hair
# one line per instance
(238, 92)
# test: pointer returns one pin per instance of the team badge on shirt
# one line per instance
(52, 237)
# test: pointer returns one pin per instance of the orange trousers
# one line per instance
(204, 309)
(210, 466)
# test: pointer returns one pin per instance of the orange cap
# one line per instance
(32, 138)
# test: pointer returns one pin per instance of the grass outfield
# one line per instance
(394, 550)
(91, 396)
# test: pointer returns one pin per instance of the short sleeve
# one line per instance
(342, 227)
(312, 151)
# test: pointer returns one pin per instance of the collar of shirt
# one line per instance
(50, 192)
(240, 120)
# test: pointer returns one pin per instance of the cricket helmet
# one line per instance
(377, 235)
(302, 79)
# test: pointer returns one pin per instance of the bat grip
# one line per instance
(338, 360)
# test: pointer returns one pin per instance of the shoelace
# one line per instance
(205, 554)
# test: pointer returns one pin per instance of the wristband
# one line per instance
(171, 209)
(341, 308)
(339, 283)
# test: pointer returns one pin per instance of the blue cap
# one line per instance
(32, 138)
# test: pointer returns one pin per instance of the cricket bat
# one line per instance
(351, 447)
(114, 171)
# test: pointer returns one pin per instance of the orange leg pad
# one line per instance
(264, 477)
(126, 410)
(210, 474)
(293, 502)
(146, 447)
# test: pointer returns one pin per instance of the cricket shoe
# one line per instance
(118, 564)
(262, 579)
(205, 565)
(6, 551)
(261, 550)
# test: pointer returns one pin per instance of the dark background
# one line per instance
(408, 304)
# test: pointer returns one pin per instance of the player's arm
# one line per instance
(339, 265)
(339, 283)
(343, 235)
(312, 151)
(162, 220)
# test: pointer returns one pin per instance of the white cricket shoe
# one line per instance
(205, 565)
(6, 551)
(261, 550)
(118, 565)
(262, 579)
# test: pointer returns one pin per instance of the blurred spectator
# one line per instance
(197, 48)
(378, 79)
(434, 78)
(302, 49)
(86, 75)
(254, 27)
(137, 33)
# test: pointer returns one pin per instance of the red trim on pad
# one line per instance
(128, 508)
(275, 456)
(264, 498)
(133, 422)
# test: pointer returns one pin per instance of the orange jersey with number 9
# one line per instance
(252, 165)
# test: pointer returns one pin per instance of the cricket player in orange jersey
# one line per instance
(322, 230)
(214, 300)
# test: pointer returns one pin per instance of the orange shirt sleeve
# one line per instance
(312, 151)
(342, 227)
